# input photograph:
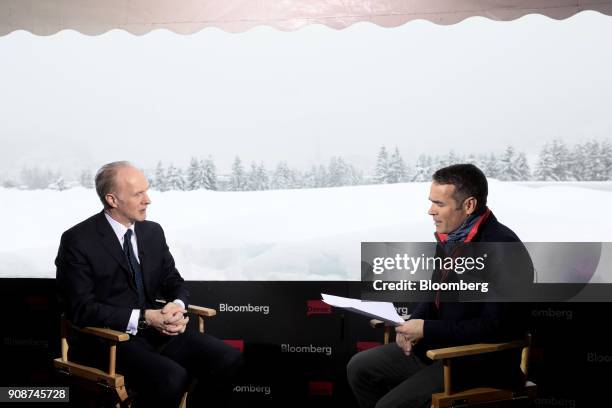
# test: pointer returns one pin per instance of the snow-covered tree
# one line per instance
(397, 170)
(262, 177)
(422, 169)
(595, 162)
(238, 179)
(579, 163)
(86, 178)
(513, 166)
(9, 183)
(545, 167)
(522, 166)
(284, 177)
(160, 184)
(554, 162)
(490, 166)
(59, 184)
(438, 162)
(507, 165)
(209, 174)
(34, 178)
(194, 175)
(472, 159)
(174, 178)
(606, 157)
(257, 178)
(382, 166)
(452, 158)
(316, 177)
(322, 176)
(339, 172)
(356, 176)
(310, 178)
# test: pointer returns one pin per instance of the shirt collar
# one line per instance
(118, 227)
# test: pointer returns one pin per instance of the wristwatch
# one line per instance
(142, 322)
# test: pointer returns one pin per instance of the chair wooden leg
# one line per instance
(183, 401)
(123, 396)
(448, 385)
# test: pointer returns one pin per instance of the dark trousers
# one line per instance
(384, 377)
(160, 368)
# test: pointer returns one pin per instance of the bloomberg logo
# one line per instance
(248, 308)
(314, 307)
(288, 348)
(252, 388)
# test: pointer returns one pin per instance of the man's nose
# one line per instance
(431, 210)
(147, 200)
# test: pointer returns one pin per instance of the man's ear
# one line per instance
(469, 205)
(111, 200)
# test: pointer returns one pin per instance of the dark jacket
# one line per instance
(93, 278)
(457, 323)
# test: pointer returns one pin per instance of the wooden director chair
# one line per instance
(482, 396)
(95, 378)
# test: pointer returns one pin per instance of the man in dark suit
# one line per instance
(110, 270)
(399, 374)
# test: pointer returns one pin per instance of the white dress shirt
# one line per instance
(120, 231)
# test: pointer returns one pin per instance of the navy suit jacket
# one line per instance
(95, 285)
(454, 323)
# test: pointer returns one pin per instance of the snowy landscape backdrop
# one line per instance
(302, 234)
(273, 155)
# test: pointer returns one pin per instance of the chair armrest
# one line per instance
(375, 323)
(472, 349)
(201, 311)
(108, 334)
(113, 335)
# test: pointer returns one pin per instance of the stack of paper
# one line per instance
(384, 311)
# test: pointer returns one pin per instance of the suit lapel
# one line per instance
(112, 246)
(142, 242)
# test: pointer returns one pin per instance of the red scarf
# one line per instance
(468, 238)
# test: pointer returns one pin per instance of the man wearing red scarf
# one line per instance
(399, 374)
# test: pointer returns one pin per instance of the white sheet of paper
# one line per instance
(384, 311)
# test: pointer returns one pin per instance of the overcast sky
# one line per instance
(73, 101)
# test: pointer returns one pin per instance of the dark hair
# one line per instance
(105, 179)
(469, 181)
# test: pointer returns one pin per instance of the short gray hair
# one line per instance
(106, 179)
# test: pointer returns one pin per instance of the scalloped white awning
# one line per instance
(45, 17)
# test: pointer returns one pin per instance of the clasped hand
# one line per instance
(408, 334)
(170, 320)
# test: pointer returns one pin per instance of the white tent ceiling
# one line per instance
(45, 17)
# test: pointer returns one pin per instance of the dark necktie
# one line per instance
(134, 266)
